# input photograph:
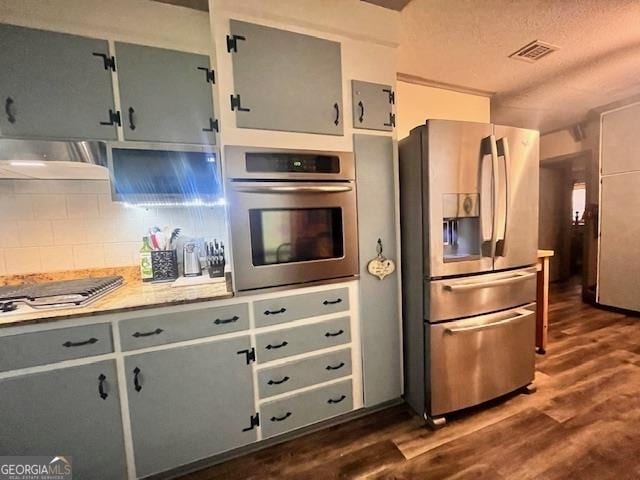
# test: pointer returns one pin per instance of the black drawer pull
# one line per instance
(132, 120)
(332, 302)
(336, 107)
(136, 379)
(361, 117)
(283, 344)
(69, 343)
(331, 334)
(8, 109)
(337, 367)
(220, 321)
(101, 380)
(157, 331)
(275, 312)
(279, 419)
(341, 398)
(278, 382)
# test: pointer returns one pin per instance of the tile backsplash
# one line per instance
(53, 225)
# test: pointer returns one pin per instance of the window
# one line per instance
(578, 203)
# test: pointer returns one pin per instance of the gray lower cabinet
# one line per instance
(73, 412)
(189, 403)
(166, 95)
(50, 346)
(55, 85)
(379, 313)
(306, 408)
(273, 311)
(372, 105)
(285, 80)
(183, 325)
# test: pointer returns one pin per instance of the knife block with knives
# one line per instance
(215, 259)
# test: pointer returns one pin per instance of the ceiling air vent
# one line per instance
(534, 51)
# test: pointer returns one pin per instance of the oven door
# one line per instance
(285, 233)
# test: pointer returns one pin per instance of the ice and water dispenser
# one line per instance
(461, 226)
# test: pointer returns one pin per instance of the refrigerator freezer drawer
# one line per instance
(479, 358)
(449, 299)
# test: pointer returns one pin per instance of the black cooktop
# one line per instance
(65, 292)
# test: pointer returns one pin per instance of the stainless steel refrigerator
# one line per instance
(469, 220)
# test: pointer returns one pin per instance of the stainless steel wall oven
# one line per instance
(292, 216)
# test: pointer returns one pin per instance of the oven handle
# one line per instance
(294, 188)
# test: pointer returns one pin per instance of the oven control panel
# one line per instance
(291, 163)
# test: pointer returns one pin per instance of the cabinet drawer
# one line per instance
(305, 338)
(303, 373)
(51, 346)
(285, 309)
(180, 326)
(305, 408)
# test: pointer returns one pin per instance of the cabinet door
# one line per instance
(372, 106)
(619, 246)
(62, 412)
(286, 81)
(379, 312)
(54, 85)
(189, 403)
(620, 141)
(166, 95)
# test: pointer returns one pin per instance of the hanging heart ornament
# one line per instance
(381, 266)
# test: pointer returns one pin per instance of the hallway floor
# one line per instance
(583, 422)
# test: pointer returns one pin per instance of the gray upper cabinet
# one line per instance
(379, 312)
(620, 141)
(285, 80)
(166, 95)
(189, 403)
(54, 85)
(373, 106)
(72, 411)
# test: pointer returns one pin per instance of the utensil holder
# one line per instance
(216, 271)
(165, 265)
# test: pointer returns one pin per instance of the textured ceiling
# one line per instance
(466, 43)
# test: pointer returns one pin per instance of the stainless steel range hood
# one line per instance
(53, 160)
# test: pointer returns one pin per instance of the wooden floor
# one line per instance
(583, 423)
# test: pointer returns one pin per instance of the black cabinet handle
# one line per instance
(337, 367)
(157, 331)
(213, 126)
(132, 122)
(278, 382)
(101, 380)
(330, 334)
(220, 321)
(136, 379)
(283, 344)
(275, 312)
(8, 109)
(69, 343)
(332, 302)
(279, 419)
(341, 398)
(361, 117)
(337, 109)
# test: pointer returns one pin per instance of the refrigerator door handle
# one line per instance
(519, 315)
(502, 146)
(464, 286)
(489, 147)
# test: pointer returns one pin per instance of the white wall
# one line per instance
(417, 103)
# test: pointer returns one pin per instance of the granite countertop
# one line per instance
(132, 295)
